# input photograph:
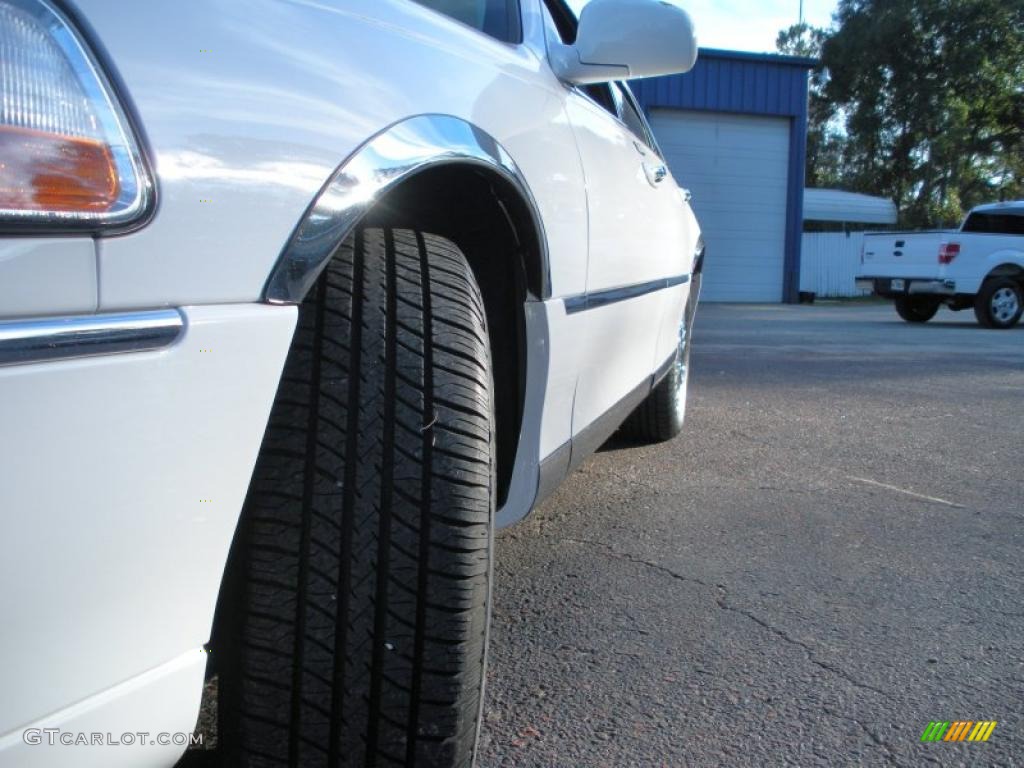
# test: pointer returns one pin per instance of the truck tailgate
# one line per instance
(899, 254)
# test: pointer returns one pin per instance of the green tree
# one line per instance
(825, 139)
(925, 99)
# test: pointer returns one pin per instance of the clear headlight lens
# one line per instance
(68, 158)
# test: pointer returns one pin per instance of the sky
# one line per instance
(750, 25)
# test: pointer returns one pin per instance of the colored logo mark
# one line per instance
(960, 730)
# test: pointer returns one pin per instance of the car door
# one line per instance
(636, 237)
(677, 251)
(636, 242)
(633, 212)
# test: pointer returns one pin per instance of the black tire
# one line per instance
(917, 309)
(660, 417)
(993, 306)
(358, 618)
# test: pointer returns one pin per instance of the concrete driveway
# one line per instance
(827, 560)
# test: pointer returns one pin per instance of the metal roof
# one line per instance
(838, 205)
(769, 58)
(726, 81)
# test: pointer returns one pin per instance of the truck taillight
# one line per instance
(948, 252)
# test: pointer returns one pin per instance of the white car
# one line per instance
(979, 266)
(299, 301)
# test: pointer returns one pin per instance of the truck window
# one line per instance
(497, 18)
(996, 223)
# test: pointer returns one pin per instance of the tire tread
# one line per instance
(362, 570)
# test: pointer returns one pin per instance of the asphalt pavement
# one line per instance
(827, 559)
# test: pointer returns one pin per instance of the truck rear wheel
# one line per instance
(359, 587)
(917, 309)
(1000, 303)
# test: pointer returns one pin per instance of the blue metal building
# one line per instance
(734, 131)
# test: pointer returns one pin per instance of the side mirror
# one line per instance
(627, 39)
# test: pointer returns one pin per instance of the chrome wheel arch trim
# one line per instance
(40, 340)
(394, 155)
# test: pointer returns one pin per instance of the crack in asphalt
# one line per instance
(723, 604)
(808, 650)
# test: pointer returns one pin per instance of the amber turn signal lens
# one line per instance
(69, 159)
(48, 172)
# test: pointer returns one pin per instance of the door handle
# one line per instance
(656, 174)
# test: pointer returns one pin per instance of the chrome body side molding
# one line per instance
(380, 165)
(596, 299)
(60, 338)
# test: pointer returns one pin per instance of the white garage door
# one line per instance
(738, 170)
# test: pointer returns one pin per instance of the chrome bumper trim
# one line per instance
(913, 284)
(931, 286)
(61, 338)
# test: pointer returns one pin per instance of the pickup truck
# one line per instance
(980, 265)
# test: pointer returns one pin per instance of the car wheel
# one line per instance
(359, 611)
(1000, 303)
(917, 309)
(660, 417)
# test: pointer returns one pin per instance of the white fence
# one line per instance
(830, 263)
